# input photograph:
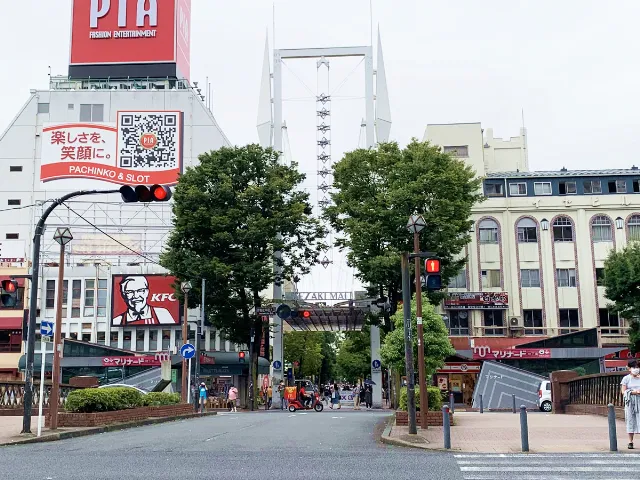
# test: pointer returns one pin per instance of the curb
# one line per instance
(107, 428)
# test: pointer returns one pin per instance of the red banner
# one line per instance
(484, 352)
(207, 360)
(133, 361)
(477, 301)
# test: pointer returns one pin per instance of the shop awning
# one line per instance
(48, 362)
(11, 323)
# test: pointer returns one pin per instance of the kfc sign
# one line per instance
(144, 300)
(131, 32)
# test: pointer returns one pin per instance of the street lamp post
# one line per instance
(415, 225)
(185, 287)
(62, 237)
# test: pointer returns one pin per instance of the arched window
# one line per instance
(527, 231)
(488, 231)
(634, 228)
(562, 230)
(601, 230)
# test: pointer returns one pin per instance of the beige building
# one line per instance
(539, 241)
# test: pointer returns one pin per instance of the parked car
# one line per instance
(122, 385)
(544, 396)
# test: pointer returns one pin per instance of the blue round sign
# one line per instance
(277, 365)
(376, 364)
(187, 351)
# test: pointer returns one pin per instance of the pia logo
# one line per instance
(148, 140)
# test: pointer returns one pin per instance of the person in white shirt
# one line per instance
(135, 293)
(630, 388)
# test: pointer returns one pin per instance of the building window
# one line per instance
(490, 278)
(102, 297)
(91, 112)
(15, 168)
(569, 320)
(619, 186)
(212, 339)
(517, 189)
(636, 186)
(102, 338)
(65, 297)
(494, 189)
(542, 188)
(43, 108)
(600, 277)
(567, 188)
(113, 339)
(460, 280)
(634, 228)
(592, 186)
(153, 340)
(566, 277)
(139, 340)
(562, 230)
(529, 278)
(76, 294)
(14, 202)
(10, 341)
(493, 318)
(89, 297)
(458, 323)
(609, 322)
(126, 337)
(601, 230)
(488, 231)
(166, 339)
(533, 322)
(50, 298)
(457, 150)
(527, 231)
(12, 236)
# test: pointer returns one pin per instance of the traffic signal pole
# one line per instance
(408, 344)
(424, 399)
(33, 301)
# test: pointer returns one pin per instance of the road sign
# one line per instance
(290, 373)
(271, 310)
(187, 351)
(277, 365)
(376, 364)
(46, 329)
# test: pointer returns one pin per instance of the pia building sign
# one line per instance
(130, 38)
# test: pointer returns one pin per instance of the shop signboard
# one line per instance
(477, 301)
(460, 367)
(144, 301)
(131, 361)
(485, 352)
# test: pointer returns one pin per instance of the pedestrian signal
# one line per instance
(9, 293)
(432, 265)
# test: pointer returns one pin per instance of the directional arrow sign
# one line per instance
(187, 351)
(46, 329)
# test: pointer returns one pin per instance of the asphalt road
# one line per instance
(331, 445)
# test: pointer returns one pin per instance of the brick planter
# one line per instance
(119, 416)
(434, 419)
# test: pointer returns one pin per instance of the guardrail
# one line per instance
(600, 389)
(12, 394)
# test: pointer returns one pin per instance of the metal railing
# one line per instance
(599, 389)
(12, 394)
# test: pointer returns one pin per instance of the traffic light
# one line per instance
(144, 194)
(432, 270)
(283, 311)
(9, 293)
(241, 357)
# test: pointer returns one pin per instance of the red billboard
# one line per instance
(144, 301)
(477, 301)
(131, 32)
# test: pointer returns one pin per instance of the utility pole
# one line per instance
(424, 395)
(251, 385)
(199, 330)
(408, 344)
(186, 288)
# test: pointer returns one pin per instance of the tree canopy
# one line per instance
(437, 346)
(376, 190)
(622, 287)
(305, 349)
(354, 355)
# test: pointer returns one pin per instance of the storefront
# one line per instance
(458, 376)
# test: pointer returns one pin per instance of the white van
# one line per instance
(544, 396)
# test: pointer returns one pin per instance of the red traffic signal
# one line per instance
(432, 265)
(241, 356)
(306, 314)
(144, 194)
(10, 286)
(9, 293)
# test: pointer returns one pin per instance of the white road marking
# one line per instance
(337, 417)
(292, 415)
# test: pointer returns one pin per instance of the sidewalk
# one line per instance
(10, 428)
(500, 433)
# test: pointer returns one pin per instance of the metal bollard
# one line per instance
(613, 437)
(446, 423)
(481, 406)
(451, 403)
(524, 429)
(513, 396)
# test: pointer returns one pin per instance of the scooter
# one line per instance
(316, 404)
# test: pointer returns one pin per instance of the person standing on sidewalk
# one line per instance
(233, 398)
(203, 396)
(630, 387)
(356, 397)
(335, 400)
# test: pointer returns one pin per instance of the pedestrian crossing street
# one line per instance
(549, 466)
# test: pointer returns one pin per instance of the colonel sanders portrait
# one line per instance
(135, 293)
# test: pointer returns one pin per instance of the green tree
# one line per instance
(305, 348)
(354, 355)
(329, 346)
(622, 287)
(376, 192)
(437, 346)
(232, 211)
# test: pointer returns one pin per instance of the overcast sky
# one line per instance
(572, 66)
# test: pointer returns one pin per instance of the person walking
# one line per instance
(335, 400)
(356, 397)
(233, 398)
(281, 391)
(630, 388)
(269, 397)
(368, 394)
(326, 394)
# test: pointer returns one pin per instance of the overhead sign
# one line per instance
(271, 310)
(12, 251)
(121, 32)
(132, 361)
(46, 329)
(206, 360)
(318, 295)
(477, 301)
(460, 367)
(144, 300)
(98, 244)
(141, 148)
(187, 351)
(484, 352)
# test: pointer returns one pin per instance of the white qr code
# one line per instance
(149, 140)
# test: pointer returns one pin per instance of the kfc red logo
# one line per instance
(144, 300)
